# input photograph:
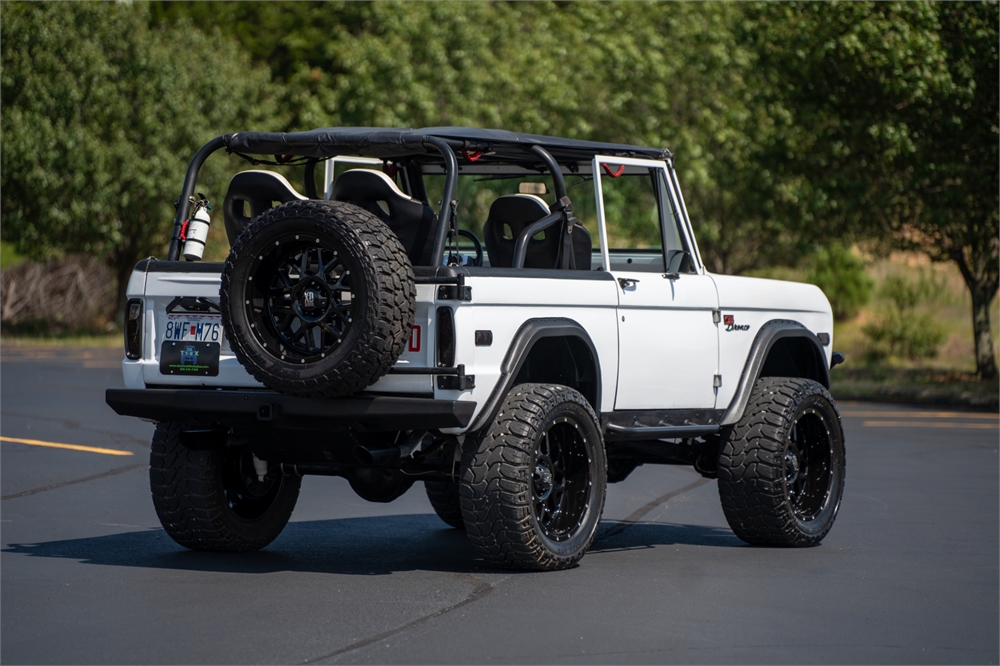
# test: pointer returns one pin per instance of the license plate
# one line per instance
(193, 327)
(189, 358)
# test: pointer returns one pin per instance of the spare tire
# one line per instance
(317, 298)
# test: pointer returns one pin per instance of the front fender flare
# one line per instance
(768, 334)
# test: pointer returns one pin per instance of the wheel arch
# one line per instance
(781, 349)
(551, 350)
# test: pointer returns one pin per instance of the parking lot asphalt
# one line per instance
(909, 573)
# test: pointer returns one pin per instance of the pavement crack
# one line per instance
(63, 484)
(638, 514)
(479, 590)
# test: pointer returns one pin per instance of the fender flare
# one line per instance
(531, 332)
(769, 333)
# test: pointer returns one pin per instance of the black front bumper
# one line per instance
(266, 408)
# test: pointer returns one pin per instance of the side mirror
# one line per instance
(679, 261)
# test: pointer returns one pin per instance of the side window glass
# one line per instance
(675, 249)
(633, 214)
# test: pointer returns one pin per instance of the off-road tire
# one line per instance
(781, 472)
(349, 345)
(197, 502)
(506, 496)
(445, 496)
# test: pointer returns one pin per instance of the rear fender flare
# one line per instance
(520, 348)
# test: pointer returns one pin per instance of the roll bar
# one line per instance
(444, 216)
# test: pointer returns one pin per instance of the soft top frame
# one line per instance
(439, 145)
(390, 143)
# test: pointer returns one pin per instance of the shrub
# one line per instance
(901, 331)
(75, 294)
(843, 278)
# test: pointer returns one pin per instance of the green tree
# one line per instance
(891, 119)
(101, 115)
(662, 74)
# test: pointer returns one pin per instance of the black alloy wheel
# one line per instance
(781, 471)
(248, 494)
(317, 298)
(214, 498)
(300, 298)
(560, 481)
(533, 485)
(807, 465)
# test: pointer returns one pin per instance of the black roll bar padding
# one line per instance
(563, 206)
(450, 185)
(521, 247)
(557, 177)
(310, 177)
(184, 204)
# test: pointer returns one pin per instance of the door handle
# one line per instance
(627, 282)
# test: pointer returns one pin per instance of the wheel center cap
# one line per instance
(543, 482)
(313, 300)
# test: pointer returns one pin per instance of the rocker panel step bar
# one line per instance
(250, 408)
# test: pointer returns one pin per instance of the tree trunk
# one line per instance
(981, 278)
(986, 365)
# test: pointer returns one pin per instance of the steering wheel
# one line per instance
(459, 258)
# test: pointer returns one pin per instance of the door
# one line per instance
(668, 338)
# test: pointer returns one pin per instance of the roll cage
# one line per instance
(433, 149)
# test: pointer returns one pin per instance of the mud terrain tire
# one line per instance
(317, 298)
(212, 499)
(533, 486)
(781, 473)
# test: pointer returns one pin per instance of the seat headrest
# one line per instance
(518, 210)
(410, 219)
(368, 185)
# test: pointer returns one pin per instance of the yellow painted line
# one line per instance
(940, 424)
(921, 415)
(71, 447)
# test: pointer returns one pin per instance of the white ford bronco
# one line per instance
(516, 320)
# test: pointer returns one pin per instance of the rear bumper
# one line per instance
(252, 408)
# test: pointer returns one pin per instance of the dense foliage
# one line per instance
(795, 125)
(101, 114)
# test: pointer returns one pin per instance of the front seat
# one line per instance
(410, 219)
(509, 216)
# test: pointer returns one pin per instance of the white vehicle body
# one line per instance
(351, 333)
(663, 341)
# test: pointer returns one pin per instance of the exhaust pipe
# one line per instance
(391, 455)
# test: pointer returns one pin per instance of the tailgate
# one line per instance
(185, 345)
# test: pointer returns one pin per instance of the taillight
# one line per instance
(445, 338)
(133, 329)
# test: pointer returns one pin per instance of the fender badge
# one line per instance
(731, 325)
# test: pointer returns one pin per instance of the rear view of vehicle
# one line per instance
(515, 364)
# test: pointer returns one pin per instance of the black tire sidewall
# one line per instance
(247, 346)
(382, 289)
(821, 525)
(752, 480)
(575, 547)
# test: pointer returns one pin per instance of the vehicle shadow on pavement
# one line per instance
(620, 535)
(355, 546)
